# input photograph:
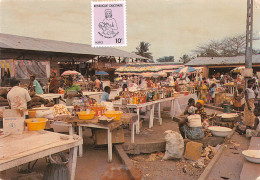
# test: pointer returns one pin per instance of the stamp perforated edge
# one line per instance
(92, 24)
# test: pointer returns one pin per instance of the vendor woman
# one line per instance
(191, 127)
(249, 104)
(72, 91)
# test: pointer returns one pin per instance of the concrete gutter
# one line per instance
(135, 173)
(213, 161)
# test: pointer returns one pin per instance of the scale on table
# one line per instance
(13, 122)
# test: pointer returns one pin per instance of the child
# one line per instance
(211, 95)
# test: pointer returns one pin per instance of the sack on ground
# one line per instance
(174, 145)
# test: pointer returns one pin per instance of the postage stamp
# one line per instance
(108, 24)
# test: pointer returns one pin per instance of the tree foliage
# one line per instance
(228, 47)
(143, 50)
(185, 58)
(166, 59)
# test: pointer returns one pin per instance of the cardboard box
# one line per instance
(100, 136)
(13, 122)
(193, 150)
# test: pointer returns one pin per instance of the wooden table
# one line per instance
(50, 96)
(251, 170)
(31, 145)
(126, 118)
(89, 93)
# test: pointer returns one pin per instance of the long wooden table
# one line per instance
(126, 118)
(152, 111)
(31, 145)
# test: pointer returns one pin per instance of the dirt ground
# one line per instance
(156, 168)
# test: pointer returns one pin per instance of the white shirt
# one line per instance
(18, 98)
(194, 120)
(250, 93)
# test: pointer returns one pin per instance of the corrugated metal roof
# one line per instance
(203, 61)
(8, 41)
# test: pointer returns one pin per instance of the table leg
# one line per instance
(80, 146)
(172, 109)
(109, 145)
(72, 162)
(151, 117)
(159, 113)
(71, 131)
(138, 121)
(133, 133)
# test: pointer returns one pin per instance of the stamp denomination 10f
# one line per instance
(108, 24)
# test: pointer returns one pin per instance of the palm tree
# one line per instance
(142, 50)
(185, 58)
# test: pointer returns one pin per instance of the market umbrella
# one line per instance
(147, 74)
(101, 73)
(70, 72)
(238, 69)
(162, 74)
(186, 69)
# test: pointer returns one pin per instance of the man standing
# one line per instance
(97, 84)
(18, 97)
(35, 85)
(54, 84)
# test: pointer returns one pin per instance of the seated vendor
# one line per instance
(105, 96)
(200, 110)
(191, 102)
(72, 91)
(191, 127)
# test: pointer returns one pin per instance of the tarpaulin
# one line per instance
(22, 69)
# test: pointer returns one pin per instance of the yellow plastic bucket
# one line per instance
(84, 116)
(114, 114)
(36, 126)
(32, 113)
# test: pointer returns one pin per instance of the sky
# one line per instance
(172, 27)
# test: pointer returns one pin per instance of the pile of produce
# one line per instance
(59, 110)
(38, 101)
(3, 97)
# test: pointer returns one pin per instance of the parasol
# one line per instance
(186, 69)
(70, 72)
(101, 73)
(238, 69)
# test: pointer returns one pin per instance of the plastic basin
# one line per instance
(36, 126)
(84, 116)
(252, 155)
(219, 131)
(114, 114)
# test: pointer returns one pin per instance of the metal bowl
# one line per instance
(252, 155)
(219, 131)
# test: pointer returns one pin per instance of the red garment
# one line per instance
(54, 85)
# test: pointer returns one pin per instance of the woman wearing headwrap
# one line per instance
(191, 127)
